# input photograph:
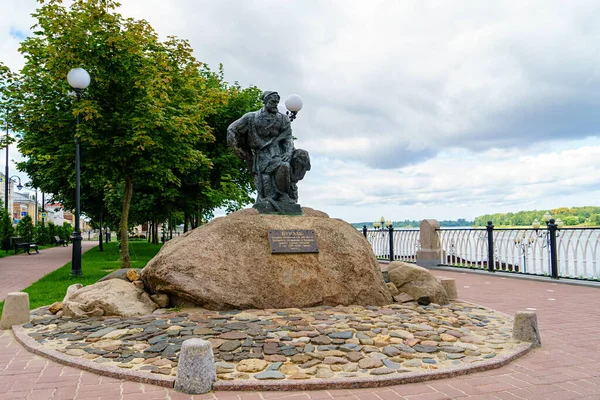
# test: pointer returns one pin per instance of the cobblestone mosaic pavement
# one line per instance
(292, 344)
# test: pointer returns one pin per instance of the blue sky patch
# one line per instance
(14, 32)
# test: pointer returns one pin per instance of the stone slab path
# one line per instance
(567, 366)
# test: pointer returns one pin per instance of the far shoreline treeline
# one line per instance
(571, 216)
(415, 224)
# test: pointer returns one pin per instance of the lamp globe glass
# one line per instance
(78, 78)
(294, 103)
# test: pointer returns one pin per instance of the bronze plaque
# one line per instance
(293, 241)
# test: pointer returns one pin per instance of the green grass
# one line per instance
(94, 264)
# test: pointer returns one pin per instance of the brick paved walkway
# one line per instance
(567, 366)
(20, 271)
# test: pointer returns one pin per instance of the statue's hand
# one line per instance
(285, 158)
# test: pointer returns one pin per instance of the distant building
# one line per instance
(23, 204)
(11, 190)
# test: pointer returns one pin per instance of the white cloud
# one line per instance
(419, 109)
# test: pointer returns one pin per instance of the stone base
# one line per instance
(16, 310)
(525, 328)
(428, 258)
(265, 207)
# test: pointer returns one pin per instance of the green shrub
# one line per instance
(6, 228)
(25, 229)
(68, 230)
(42, 234)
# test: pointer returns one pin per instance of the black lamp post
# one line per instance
(6, 168)
(79, 79)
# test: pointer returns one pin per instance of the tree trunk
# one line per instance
(186, 221)
(155, 238)
(125, 260)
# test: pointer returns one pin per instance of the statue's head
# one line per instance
(271, 101)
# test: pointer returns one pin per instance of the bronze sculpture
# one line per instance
(264, 140)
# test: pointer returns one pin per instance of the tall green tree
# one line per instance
(143, 115)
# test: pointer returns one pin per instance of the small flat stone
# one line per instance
(321, 340)
(324, 373)
(400, 333)
(350, 347)
(233, 335)
(341, 335)
(158, 339)
(390, 364)
(310, 364)
(269, 375)
(368, 363)
(300, 358)
(390, 351)
(157, 348)
(252, 365)
(274, 366)
(334, 360)
(230, 345)
(101, 332)
(382, 371)
(275, 358)
(425, 349)
(289, 369)
(76, 352)
(452, 349)
(412, 363)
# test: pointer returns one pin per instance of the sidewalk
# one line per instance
(567, 366)
(20, 271)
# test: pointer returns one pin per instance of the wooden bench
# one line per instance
(19, 245)
(60, 242)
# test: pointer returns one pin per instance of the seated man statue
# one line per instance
(264, 140)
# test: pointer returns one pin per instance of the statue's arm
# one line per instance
(237, 139)
(236, 134)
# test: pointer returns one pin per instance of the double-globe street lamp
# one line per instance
(79, 79)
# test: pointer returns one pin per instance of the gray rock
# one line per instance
(350, 347)
(230, 345)
(101, 332)
(196, 371)
(120, 273)
(390, 351)
(390, 364)
(382, 371)
(341, 335)
(425, 349)
(269, 374)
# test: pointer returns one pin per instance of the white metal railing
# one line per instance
(525, 250)
(405, 243)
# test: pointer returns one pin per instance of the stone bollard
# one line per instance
(449, 285)
(196, 370)
(430, 253)
(525, 328)
(16, 310)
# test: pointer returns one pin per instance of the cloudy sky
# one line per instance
(412, 109)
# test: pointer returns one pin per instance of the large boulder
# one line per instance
(227, 264)
(114, 297)
(417, 282)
